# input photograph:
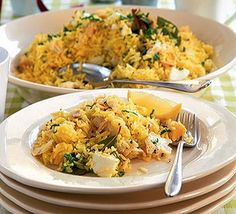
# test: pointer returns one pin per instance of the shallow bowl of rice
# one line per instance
(28, 39)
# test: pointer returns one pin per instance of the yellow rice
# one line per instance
(73, 137)
(106, 38)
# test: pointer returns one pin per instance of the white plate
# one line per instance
(37, 206)
(19, 131)
(211, 208)
(150, 198)
(17, 35)
(12, 207)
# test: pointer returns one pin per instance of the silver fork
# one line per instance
(174, 179)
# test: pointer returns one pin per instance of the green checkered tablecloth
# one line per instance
(222, 91)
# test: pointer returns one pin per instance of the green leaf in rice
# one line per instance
(156, 57)
(163, 131)
(69, 157)
(115, 154)
(92, 18)
(65, 29)
(151, 114)
(168, 28)
(121, 173)
(128, 111)
(156, 141)
(109, 142)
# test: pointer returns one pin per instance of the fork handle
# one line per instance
(174, 178)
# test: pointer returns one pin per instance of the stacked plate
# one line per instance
(209, 169)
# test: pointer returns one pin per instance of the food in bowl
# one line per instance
(133, 45)
(103, 136)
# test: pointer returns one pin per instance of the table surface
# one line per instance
(222, 91)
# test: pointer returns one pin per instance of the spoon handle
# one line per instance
(174, 179)
(172, 85)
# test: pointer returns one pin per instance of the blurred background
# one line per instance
(219, 10)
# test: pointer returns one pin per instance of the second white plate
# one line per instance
(150, 198)
(37, 206)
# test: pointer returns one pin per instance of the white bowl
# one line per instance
(17, 35)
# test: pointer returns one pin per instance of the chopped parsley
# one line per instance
(75, 164)
(65, 29)
(180, 68)
(91, 106)
(51, 36)
(53, 127)
(168, 28)
(121, 173)
(69, 157)
(165, 130)
(115, 154)
(156, 57)
(92, 18)
(151, 114)
(109, 142)
(149, 32)
(129, 17)
(155, 142)
(128, 111)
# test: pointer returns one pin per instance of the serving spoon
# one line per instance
(99, 78)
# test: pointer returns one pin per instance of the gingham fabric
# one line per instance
(222, 91)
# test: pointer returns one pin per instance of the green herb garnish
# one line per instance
(51, 36)
(121, 173)
(75, 164)
(156, 57)
(53, 127)
(91, 106)
(164, 130)
(128, 111)
(155, 142)
(65, 29)
(149, 32)
(109, 142)
(115, 154)
(69, 157)
(151, 114)
(129, 17)
(92, 18)
(168, 28)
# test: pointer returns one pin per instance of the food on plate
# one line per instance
(102, 136)
(132, 44)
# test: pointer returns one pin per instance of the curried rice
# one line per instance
(131, 44)
(103, 136)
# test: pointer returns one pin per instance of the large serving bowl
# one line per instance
(16, 36)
